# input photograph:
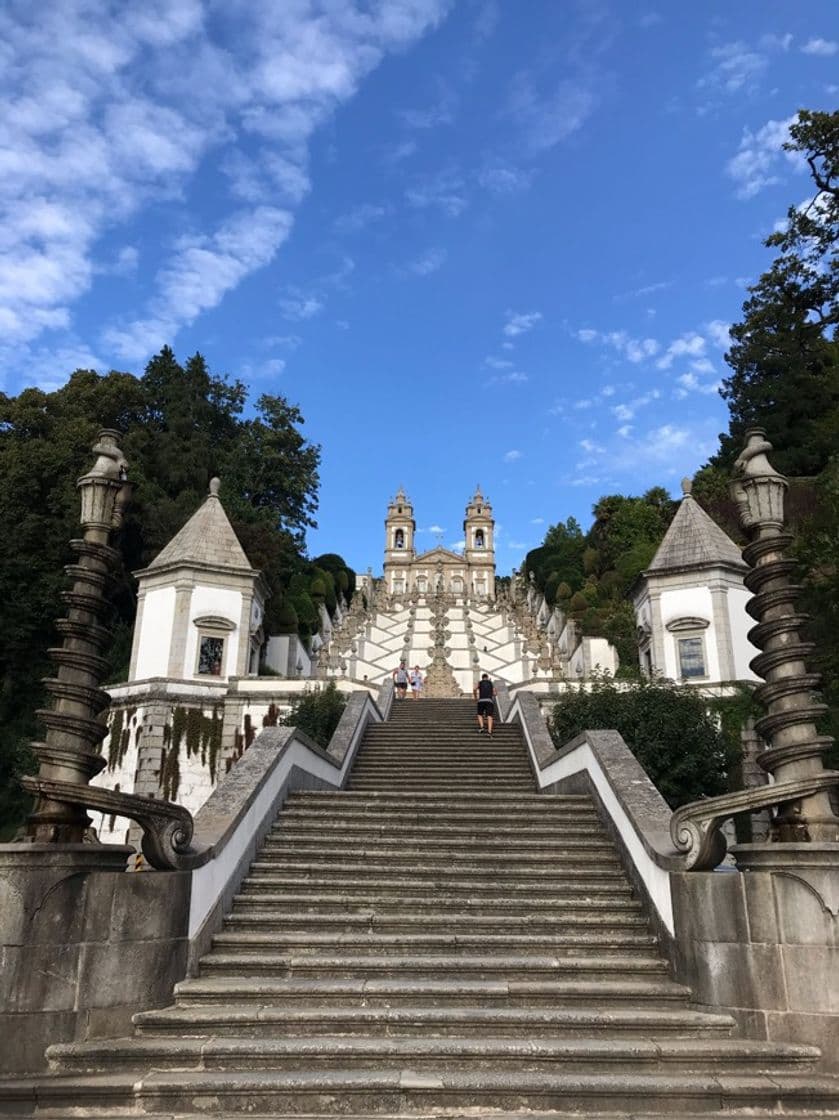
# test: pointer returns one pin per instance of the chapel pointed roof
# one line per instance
(207, 540)
(694, 540)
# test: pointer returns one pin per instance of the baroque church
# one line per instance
(440, 570)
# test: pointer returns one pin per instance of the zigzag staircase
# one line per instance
(438, 940)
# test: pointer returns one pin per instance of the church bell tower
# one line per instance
(479, 552)
(399, 543)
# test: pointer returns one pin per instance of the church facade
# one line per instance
(440, 570)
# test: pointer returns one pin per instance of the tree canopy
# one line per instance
(180, 425)
(784, 353)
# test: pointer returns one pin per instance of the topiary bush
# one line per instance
(667, 727)
(317, 713)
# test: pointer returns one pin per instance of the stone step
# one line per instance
(487, 801)
(248, 1020)
(584, 920)
(546, 1054)
(465, 789)
(440, 858)
(399, 901)
(569, 836)
(311, 942)
(576, 820)
(452, 767)
(333, 843)
(500, 966)
(304, 1092)
(381, 883)
(377, 878)
(435, 992)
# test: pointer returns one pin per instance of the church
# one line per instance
(440, 570)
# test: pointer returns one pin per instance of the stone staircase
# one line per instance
(438, 940)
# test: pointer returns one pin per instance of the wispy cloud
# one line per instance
(101, 121)
(634, 350)
(512, 456)
(360, 217)
(690, 345)
(444, 190)
(520, 322)
(546, 117)
(756, 164)
(429, 261)
(300, 307)
(824, 48)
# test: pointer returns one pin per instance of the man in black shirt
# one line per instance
(484, 693)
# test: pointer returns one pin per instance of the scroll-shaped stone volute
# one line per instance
(167, 828)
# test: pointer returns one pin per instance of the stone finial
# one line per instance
(215, 486)
(687, 487)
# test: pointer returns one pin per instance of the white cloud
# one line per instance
(822, 47)
(625, 431)
(634, 350)
(512, 456)
(514, 377)
(591, 447)
(544, 118)
(201, 271)
(445, 191)
(360, 217)
(103, 118)
(690, 383)
(756, 163)
(428, 262)
(718, 332)
(504, 179)
(736, 67)
(587, 335)
(537, 521)
(690, 345)
(626, 410)
(298, 308)
(521, 322)
(498, 363)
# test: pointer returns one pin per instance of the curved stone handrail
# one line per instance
(640, 815)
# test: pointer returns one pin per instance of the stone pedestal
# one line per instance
(763, 943)
(83, 945)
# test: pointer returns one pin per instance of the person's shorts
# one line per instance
(402, 684)
(486, 707)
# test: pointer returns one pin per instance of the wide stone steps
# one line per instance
(439, 941)
(432, 966)
(589, 921)
(411, 1092)
(389, 991)
(588, 1054)
(246, 1020)
(400, 944)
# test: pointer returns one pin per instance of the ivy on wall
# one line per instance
(120, 736)
(201, 735)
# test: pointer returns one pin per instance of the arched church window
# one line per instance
(479, 538)
(399, 539)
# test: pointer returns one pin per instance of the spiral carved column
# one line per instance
(70, 750)
(795, 748)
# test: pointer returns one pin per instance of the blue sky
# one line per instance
(494, 241)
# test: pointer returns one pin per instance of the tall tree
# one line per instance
(784, 354)
(180, 425)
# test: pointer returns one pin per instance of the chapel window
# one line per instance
(691, 658)
(479, 538)
(210, 655)
(399, 539)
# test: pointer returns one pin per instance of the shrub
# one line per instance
(317, 713)
(667, 727)
(286, 620)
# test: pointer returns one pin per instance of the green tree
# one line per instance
(318, 713)
(784, 353)
(180, 426)
(657, 721)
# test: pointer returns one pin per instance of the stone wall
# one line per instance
(82, 951)
(763, 945)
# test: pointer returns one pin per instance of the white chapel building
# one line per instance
(690, 603)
